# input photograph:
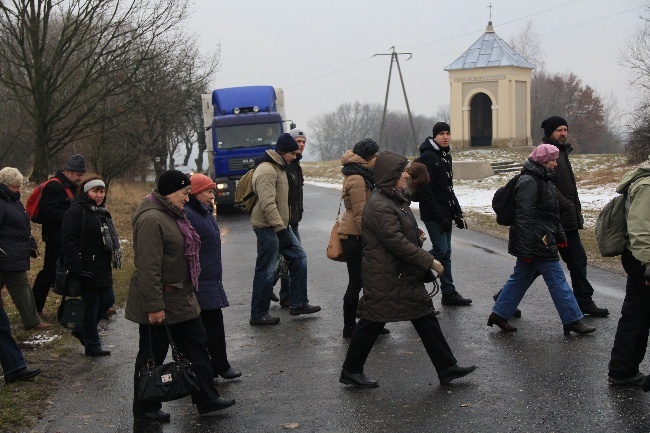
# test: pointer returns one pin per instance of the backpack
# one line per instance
(245, 197)
(611, 226)
(503, 202)
(35, 197)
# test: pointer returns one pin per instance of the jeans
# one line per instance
(284, 282)
(366, 333)
(22, 295)
(353, 255)
(45, 278)
(523, 276)
(267, 254)
(190, 339)
(11, 358)
(576, 261)
(631, 338)
(98, 300)
(441, 250)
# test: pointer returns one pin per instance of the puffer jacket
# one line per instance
(83, 244)
(53, 205)
(271, 185)
(537, 229)
(355, 193)
(393, 265)
(15, 232)
(437, 200)
(566, 188)
(161, 279)
(210, 293)
(637, 184)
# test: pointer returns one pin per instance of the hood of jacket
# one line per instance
(271, 156)
(539, 170)
(350, 157)
(388, 169)
(430, 144)
(641, 171)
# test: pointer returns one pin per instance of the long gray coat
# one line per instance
(393, 266)
(159, 248)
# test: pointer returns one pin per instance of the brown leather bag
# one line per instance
(334, 248)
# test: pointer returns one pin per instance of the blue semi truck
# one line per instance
(241, 124)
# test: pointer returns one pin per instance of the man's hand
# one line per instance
(285, 239)
(460, 222)
(437, 266)
(157, 317)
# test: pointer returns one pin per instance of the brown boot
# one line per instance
(502, 323)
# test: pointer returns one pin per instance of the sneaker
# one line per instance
(635, 380)
(305, 309)
(266, 319)
(454, 298)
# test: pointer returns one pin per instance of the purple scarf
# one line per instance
(192, 239)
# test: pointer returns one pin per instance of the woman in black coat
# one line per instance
(91, 249)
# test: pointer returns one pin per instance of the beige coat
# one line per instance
(271, 185)
(161, 279)
(355, 193)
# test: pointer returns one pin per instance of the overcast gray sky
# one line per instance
(321, 52)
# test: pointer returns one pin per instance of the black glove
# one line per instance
(445, 225)
(460, 222)
(285, 239)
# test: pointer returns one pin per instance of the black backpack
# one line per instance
(503, 202)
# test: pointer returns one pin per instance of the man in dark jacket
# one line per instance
(394, 268)
(296, 181)
(439, 206)
(55, 201)
(555, 133)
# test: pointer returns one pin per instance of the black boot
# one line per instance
(349, 316)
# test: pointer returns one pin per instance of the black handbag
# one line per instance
(169, 381)
(61, 278)
(72, 313)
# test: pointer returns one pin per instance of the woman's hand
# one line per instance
(157, 317)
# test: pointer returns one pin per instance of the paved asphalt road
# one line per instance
(534, 380)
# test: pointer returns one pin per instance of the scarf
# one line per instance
(366, 173)
(192, 239)
(109, 234)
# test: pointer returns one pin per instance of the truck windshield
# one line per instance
(263, 134)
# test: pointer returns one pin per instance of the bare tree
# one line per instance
(442, 114)
(526, 43)
(53, 54)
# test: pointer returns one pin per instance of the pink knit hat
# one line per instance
(544, 153)
(200, 183)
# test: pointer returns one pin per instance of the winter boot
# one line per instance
(349, 316)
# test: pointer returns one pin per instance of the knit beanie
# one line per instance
(171, 181)
(295, 133)
(76, 163)
(286, 144)
(440, 127)
(366, 148)
(544, 153)
(553, 123)
(200, 183)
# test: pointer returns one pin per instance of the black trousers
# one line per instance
(631, 338)
(45, 278)
(353, 255)
(190, 339)
(216, 336)
(576, 261)
(366, 333)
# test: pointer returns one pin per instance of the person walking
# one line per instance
(18, 244)
(439, 206)
(555, 133)
(91, 249)
(13, 364)
(394, 270)
(358, 183)
(535, 238)
(167, 267)
(270, 221)
(210, 294)
(631, 339)
(54, 202)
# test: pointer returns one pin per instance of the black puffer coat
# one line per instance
(53, 205)
(566, 188)
(15, 232)
(393, 266)
(437, 200)
(536, 230)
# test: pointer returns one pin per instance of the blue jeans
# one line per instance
(441, 250)
(284, 282)
(267, 255)
(523, 276)
(11, 358)
(98, 300)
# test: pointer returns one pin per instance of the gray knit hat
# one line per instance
(295, 133)
(76, 163)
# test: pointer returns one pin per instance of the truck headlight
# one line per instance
(222, 186)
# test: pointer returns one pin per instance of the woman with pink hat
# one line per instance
(534, 239)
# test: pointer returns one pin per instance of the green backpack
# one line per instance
(245, 197)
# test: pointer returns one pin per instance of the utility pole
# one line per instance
(394, 58)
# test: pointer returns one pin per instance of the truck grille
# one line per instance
(240, 163)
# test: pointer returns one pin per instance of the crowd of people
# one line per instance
(177, 278)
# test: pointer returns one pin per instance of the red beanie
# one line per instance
(200, 183)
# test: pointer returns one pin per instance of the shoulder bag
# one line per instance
(334, 248)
